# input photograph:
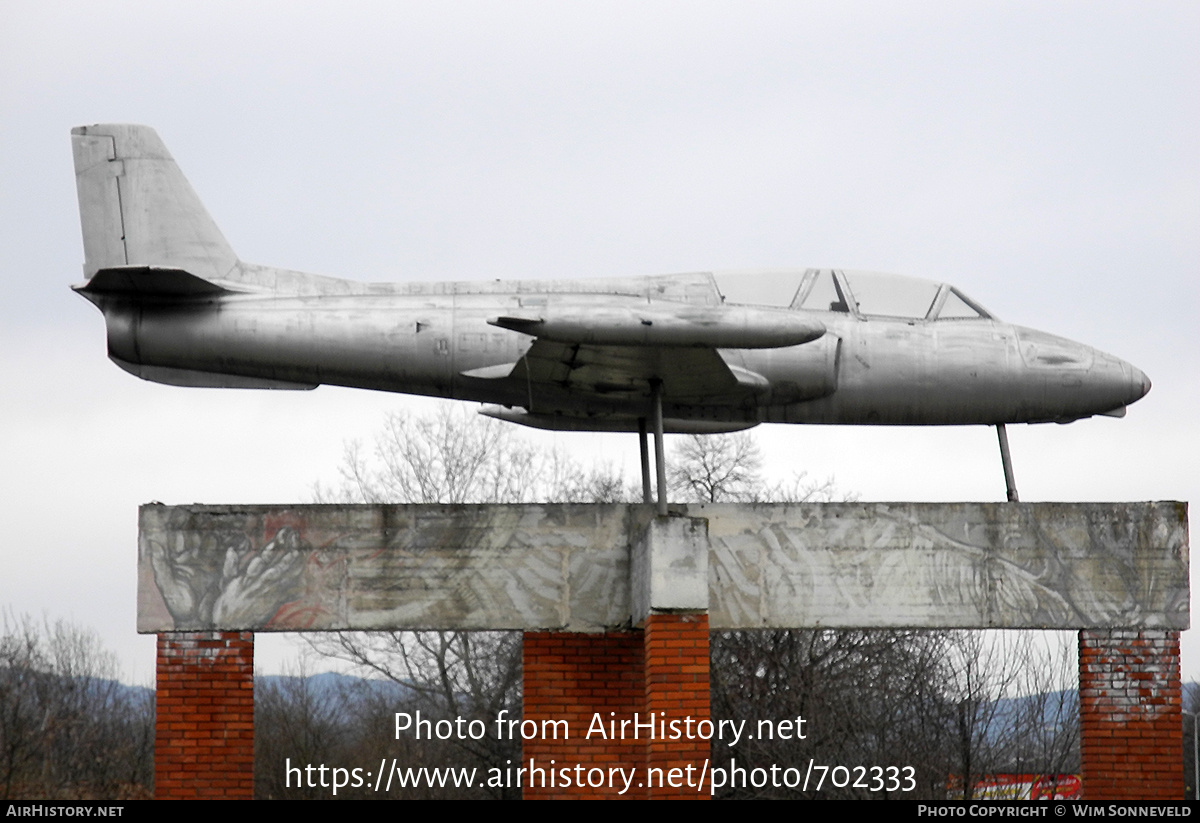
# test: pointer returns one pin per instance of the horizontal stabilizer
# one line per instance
(149, 281)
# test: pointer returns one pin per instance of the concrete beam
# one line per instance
(949, 565)
(562, 567)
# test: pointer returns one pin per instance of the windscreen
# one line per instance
(890, 295)
(956, 308)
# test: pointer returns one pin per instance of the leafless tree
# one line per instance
(706, 468)
(1047, 713)
(68, 727)
(472, 675)
(345, 723)
(714, 468)
(1016, 706)
(21, 667)
(295, 721)
(455, 457)
(978, 680)
(1191, 716)
(869, 698)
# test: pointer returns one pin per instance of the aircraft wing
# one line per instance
(608, 357)
(691, 376)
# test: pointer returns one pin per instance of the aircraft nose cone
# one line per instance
(1133, 385)
(1114, 384)
(1139, 383)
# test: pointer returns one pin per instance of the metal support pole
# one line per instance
(647, 496)
(1010, 480)
(660, 462)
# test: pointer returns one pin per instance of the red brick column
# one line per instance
(204, 731)
(677, 687)
(573, 677)
(1129, 715)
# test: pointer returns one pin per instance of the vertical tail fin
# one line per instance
(137, 208)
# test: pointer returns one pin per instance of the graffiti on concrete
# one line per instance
(948, 565)
(262, 572)
(379, 567)
(567, 567)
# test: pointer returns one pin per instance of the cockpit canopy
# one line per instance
(859, 293)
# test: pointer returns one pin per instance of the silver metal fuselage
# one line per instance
(721, 351)
(425, 338)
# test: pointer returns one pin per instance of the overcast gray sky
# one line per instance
(1042, 156)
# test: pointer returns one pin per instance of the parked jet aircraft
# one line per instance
(701, 352)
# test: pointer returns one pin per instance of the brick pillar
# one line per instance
(573, 677)
(204, 731)
(677, 687)
(1129, 715)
